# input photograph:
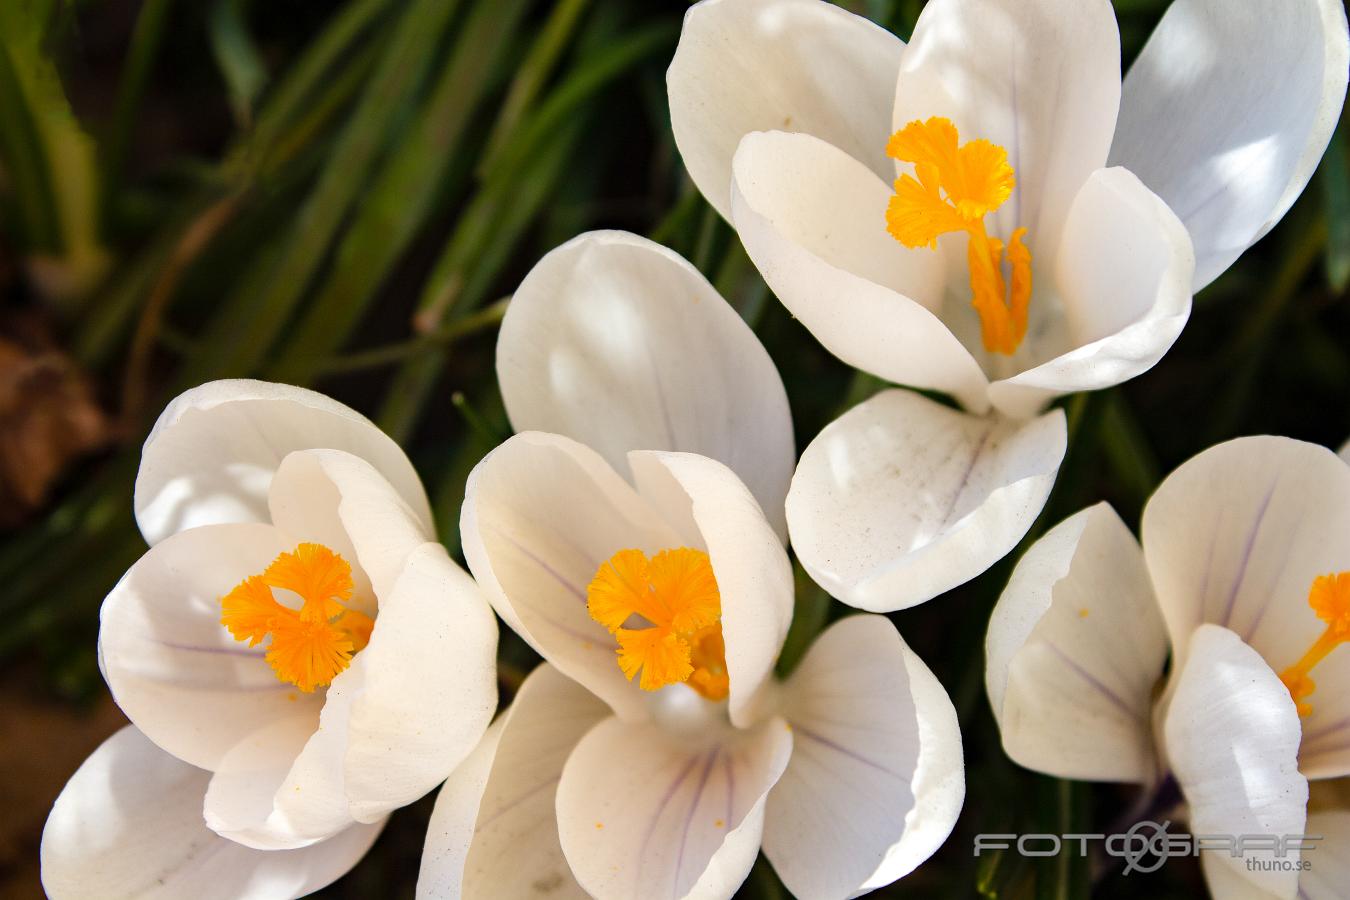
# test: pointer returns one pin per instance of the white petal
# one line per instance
(429, 686)
(341, 501)
(1236, 535)
(1227, 111)
(621, 344)
(494, 831)
(901, 498)
(541, 514)
(1225, 883)
(212, 454)
(129, 824)
(1345, 451)
(753, 574)
(790, 65)
(643, 814)
(1325, 751)
(1040, 78)
(173, 668)
(1076, 646)
(1123, 272)
(1330, 871)
(253, 801)
(876, 778)
(813, 220)
(1232, 739)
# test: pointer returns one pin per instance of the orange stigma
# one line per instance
(676, 594)
(1330, 599)
(312, 644)
(957, 186)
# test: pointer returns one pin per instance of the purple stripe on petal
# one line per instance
(965, 478)
(566, 584)
(731, 789)
(254, 653)
(516, 802)
(661, 807)
(1247, 554)
(1291, 540)
(1096, 683)
(541, 563)
(689, 820)
(840, 748)
(1325, 731)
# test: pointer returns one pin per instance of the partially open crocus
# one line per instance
(989, 212)
(1243, 577)
(297, 654)
(639, 552)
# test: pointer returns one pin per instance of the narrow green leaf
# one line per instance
(1127, 449)
(533, 72)
(402, 196)
(517, 184)
(241, 64)
(308, 75)
(40, 139)
(145, 43)
(244, 332)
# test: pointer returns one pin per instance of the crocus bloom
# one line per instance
(639, 552)
(1242, 578)
(991, 213)
(297, 654)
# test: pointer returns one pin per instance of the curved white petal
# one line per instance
(212, 454)
(621, 344)
(1232, 739)
(1345, 451)
(1040, 78)
(1330, 871)
(1236, 535)
(1227, 112)
(429, 688)
(341, 501)
(129, 824)
(754, 576)
(789, 65)
(255, 802)
(1123, 273)
(1075, 648)
(174, 669)
(1325, 751)
(541, 514)
(901, 498)
(876, 778)
(813, 220)
(494, 830)
(643, 814)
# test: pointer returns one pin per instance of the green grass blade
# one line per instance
(244, 333)
(241, 63)
(403, 194)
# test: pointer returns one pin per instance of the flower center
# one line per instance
(312, 644)
(673, 601)
(957, 186)
(1329, 597)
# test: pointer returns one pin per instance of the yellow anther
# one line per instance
(310, 645)
(1329, 597)
(677, 637)
(956, 186)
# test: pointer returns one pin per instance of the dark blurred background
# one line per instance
(341, 195)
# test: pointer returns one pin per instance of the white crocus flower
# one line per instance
(1241, 577)
(638, 551)
(1044, 235)
(297, 654)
